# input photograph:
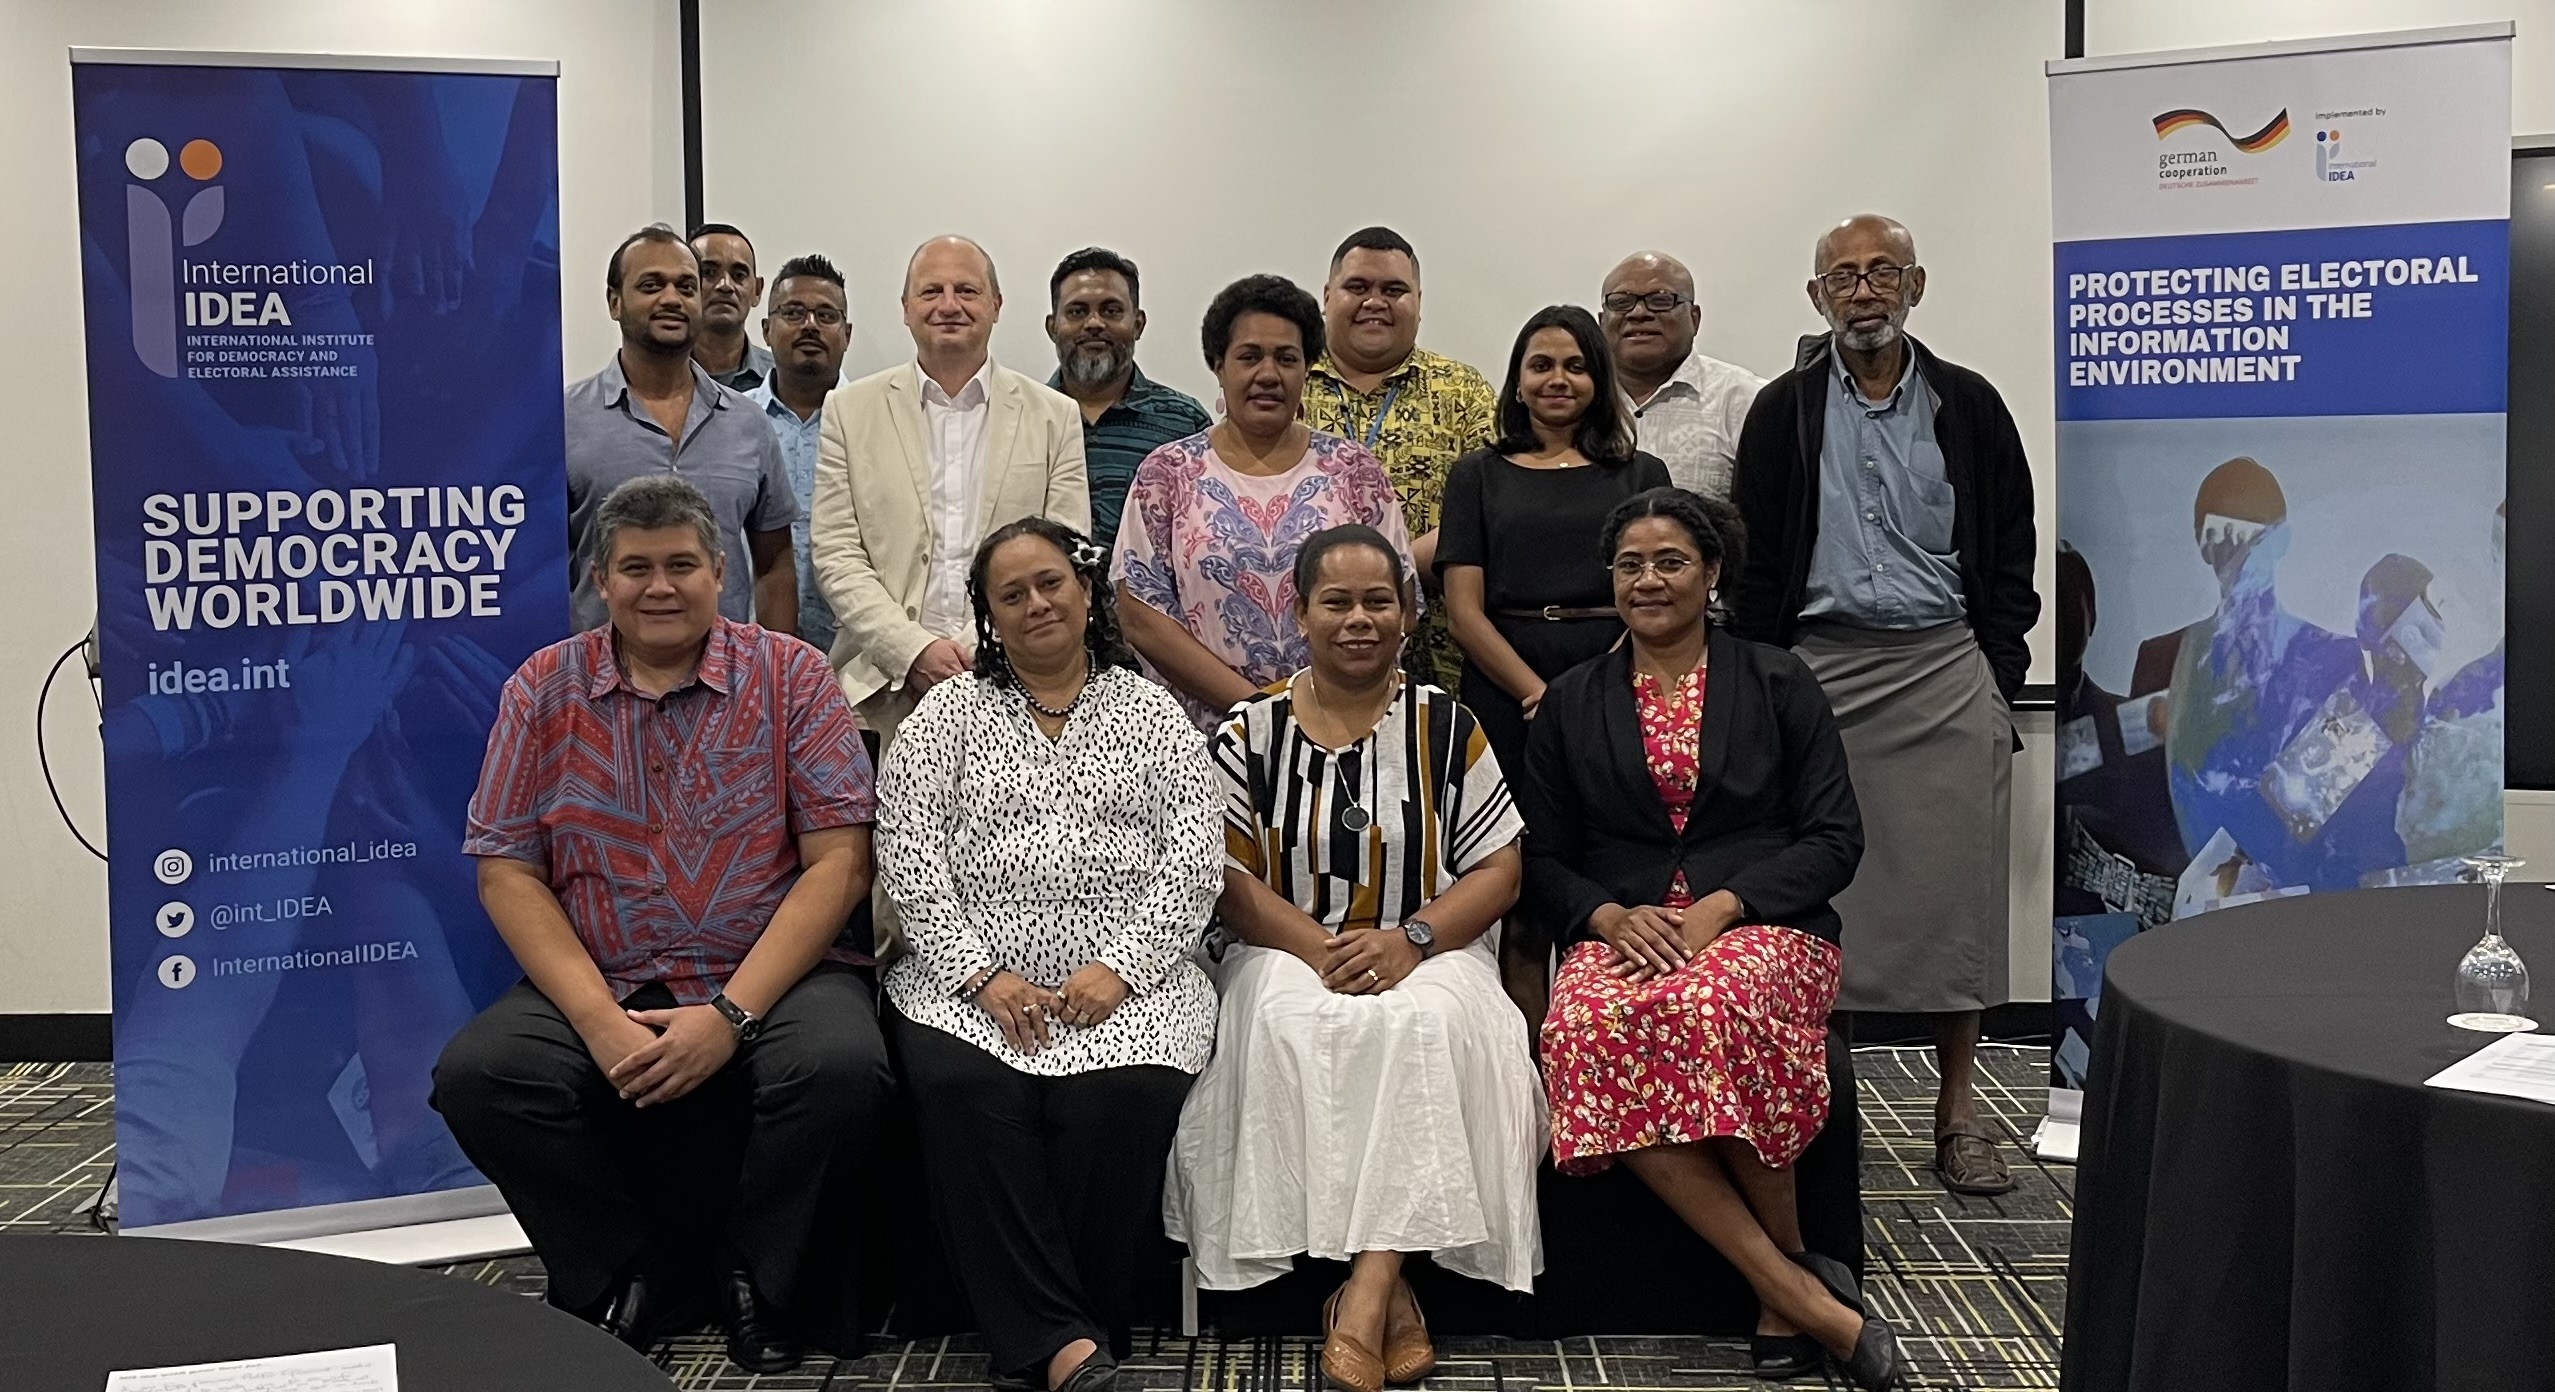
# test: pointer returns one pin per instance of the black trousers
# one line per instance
(1047, 1191)
(604, 1189)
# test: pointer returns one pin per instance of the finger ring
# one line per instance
(1372, 978)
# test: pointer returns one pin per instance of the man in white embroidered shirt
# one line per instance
(1687, 408)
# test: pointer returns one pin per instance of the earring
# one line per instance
(1713, 595)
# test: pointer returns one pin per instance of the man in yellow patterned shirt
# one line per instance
(1414, 410)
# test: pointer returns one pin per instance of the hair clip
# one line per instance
(1088, 555)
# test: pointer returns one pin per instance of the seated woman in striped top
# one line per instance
(1373, 1091)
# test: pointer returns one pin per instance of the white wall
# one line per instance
(2143, 26)
(621, 165)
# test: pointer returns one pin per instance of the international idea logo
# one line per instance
(152, 236)
(2204, 163)
(2333, 162)
(173, 205)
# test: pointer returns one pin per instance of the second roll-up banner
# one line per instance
(2281, 292)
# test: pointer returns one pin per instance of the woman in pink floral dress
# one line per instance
(1206, 547)
(1696, 818)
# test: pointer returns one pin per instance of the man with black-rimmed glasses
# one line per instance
(1687, 408)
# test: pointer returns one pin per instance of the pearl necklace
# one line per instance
(1088, 673)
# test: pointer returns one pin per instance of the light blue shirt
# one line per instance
(798, 460)
(1884, 557)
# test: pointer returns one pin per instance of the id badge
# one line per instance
(2321, 767)
(2080, 748)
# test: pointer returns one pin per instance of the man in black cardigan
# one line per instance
(1890, 543)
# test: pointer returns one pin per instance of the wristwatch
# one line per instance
(1421, 935)
(748, 1029)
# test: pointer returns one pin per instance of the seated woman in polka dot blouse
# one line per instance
(1052, 835)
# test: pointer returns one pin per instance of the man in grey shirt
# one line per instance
(652, 410)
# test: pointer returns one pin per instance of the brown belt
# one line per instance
(1555, 613)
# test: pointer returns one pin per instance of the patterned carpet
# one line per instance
(1975, 1287)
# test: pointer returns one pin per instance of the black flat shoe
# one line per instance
(635, 1315)
(1098, 1373)
(1833, 1274)
(1781, 1357)
(1877, 1365)
(754, 1338)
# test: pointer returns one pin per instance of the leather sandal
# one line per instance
(1345, 1361)
(1968, 1160)
(1408, 1354)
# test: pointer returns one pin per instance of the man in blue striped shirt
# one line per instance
(1094, 319)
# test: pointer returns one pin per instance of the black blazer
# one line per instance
(1775, 484)
(1773, 818)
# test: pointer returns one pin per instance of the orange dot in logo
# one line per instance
(201, 159)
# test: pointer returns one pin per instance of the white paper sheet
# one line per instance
(373, 1369)
(2515, 1065)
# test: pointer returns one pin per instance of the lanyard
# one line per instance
(1375, 427)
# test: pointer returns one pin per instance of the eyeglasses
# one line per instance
(1630, 569)
(1660, 301)
(1885, 280)
(797, 314)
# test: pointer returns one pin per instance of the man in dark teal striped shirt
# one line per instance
(1094, 319)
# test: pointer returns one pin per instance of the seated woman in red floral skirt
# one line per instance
(1685, 847)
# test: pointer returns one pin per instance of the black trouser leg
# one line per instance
(537, 1117)
(1109, 1134)
(818, 1082)
(985, 1156)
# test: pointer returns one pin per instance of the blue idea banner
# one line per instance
(2281, 284)
(322, 306)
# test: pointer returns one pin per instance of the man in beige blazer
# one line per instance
(913, 466)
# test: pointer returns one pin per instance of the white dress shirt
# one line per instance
(954, 441)
(1692, 422)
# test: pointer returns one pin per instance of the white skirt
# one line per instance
(1330, 1125)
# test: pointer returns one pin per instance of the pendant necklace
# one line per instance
(1354, 818)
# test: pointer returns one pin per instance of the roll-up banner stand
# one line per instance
(2281, 296)
(322, 310)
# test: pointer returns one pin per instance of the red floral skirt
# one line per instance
(1734, 1043)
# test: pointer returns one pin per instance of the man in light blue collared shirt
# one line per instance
(808, 328)
(1888, 506)
(1884, 556)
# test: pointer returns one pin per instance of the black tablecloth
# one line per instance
(74, 1308)
(2268, 1195)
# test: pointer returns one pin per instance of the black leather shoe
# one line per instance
(1780, 1357)
(754, 1338)
(1833, 1274)
(1877, 1365)
(633, 1315)
(1098, 1373)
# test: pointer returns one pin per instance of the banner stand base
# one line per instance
(2056, 1137)
(449, 1225)
(423, 1244)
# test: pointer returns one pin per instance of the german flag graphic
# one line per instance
(2272, 133)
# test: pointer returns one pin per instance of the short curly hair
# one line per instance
(1718, 533)
(1261, 294)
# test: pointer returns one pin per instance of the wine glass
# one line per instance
(2492, 981)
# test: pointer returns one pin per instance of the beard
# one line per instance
(1090, 364)
(1871, 338)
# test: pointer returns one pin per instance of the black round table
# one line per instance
(74, 1308)
(2268, 1196)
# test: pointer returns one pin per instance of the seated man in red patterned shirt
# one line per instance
(672, 829)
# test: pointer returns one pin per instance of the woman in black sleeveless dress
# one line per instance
(1516, 543)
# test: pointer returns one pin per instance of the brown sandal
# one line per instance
(1968, 1161)
(1408, 1354)
(1345, 1361)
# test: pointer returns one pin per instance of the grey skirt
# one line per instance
(1930, 745)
